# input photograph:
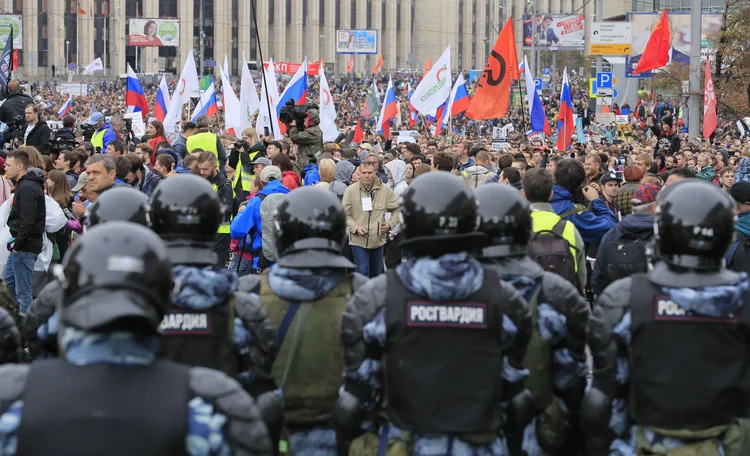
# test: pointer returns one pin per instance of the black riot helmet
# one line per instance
(310, 230)
(117, 271)
(121, 204)
(186, 213)
(505, 218)
(693, 225)
(439, 216)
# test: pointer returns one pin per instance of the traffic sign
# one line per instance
(538, 83)
(209, 63)
(600, 92)
(611, 38)
(546, 71)
(592, 88)
(72, 67)
(604, 101)
(610, 49)
(604, 80)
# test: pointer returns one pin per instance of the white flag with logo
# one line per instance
(435, 86)
(248, 96)
(327, 110)
(187, 84)
(268, 104)
(94, 66)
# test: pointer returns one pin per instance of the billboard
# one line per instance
(356, 41)
(16, 22)
(154, 32)
(556, 31)
(642, 23)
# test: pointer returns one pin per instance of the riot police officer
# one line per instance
(670, 346)
(305, 293)
(209, 323)
(446, 335)
(556, 355)
(117, 204)
(108, 394)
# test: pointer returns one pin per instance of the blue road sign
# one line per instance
(546, 71)
(209, 63)
(604, 80)
(538, 83)
(72, 67)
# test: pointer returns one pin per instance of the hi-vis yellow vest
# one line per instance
(225, 223)
(545, 221)
(97, 139)
(240, 174)
(205, 141)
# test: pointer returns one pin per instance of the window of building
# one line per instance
(368, 14)
(321, 12)
(337, 14)
(235, 32)
(382, 15)
(271, 11)
(43, 56)
(288, 11)
(353, 17)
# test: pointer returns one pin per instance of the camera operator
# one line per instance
(37, 133)
(244, 152)
(64, 138)
(303, 126)
(15, 104)
(104, 133)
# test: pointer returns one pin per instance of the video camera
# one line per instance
(291, 112)
(59, 144)
(87, 131)
(16, 127)
(241, 145)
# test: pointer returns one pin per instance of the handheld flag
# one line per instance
(231, 106)
(565, 123)
(492, 94)
(225, 68)
(81, 9)
(135, 99)
(412, 111)
(65, 107)
(6, 63)
(427, 65)
(537, 117)
(457, 103)
(371, 107)
(96, 65)
(709, 104)
(207, 105)
(162, 101)
(269, 96)
(389, 111)
(327, 110)
(435, 86)
(656, 54)
(350, 65)
(296, 90)
(248, 96)
(359, 135)
(378, 65)
(187, 84)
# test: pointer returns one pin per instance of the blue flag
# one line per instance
(6, 63)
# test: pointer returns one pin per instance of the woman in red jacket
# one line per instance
(289, 178)
(156, 133)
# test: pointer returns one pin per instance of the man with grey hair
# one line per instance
(206, 141)
(622, 251)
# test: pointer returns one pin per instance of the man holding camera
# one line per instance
(104, 133)
(241, 159)
(304, 131)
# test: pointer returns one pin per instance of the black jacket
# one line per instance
(14, 106)
(64, 134)
(39, 137)
(28, 213)
(224, 191)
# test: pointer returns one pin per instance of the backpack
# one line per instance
(626, 255)
(552, 251)
(743, 170)
(738, 256)
(268, 218)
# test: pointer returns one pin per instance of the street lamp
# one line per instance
(67, 53)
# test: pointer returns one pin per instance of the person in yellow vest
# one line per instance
(537, 188)
(104, 133)
(208, 169)
(241, 159)
(206, 141)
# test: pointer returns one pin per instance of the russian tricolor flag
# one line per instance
(162, 100)
(207, 105)
(536, 108)
(439, 115)
(65, 107)
(457, 103)
(565, 123)
(388, 112)
(412, 109)
(135, 100)
(296, 89)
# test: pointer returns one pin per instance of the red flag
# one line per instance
(656, 54)
(359, 135)
(15, 60)
(492, 94)
(378, 65)
(709, 104)
(350, 65)
(427, 65)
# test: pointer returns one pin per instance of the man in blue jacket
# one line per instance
(248, 225)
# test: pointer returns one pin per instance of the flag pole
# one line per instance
(10, 73)
(523, 109)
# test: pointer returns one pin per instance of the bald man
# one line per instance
(14, 104)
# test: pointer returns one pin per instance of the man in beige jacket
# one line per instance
(365, 204)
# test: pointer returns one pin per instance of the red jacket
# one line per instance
(290, 180)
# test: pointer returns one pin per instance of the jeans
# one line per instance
(369, 261)
(245, 266)
(18, 277)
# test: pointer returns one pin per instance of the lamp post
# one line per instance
(67, 53)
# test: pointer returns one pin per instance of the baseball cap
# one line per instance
(270, 172)
(645, 194)
(741, 192)
(275, 143)
(608, 177)
(83, 179)
(95, 118)
(261, 161)
(366, 146)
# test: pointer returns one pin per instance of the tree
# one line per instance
(732, 64)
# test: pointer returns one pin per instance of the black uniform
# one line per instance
(670, 346)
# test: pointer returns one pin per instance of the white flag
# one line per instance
(226, 67)
(232, 108)
(94, 66)
(185, 87)
(269, 96)
(248, 96)
(327, 110)
(435, 86)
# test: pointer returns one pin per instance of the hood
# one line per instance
(398, 170)
(449, 277)
(272, 187)
(377, 183)
(314, 116)
(476, 170)
(294, 176)
(311, 167)
(344, 171)
(638, 224)
(560, 195)
(306, 285)
(712, 301)
(34, 175)
(202, 288)
(743, 223)
(517, 185)
(106, 126)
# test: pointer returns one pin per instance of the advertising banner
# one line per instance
(16, 22)
(154, 32)
(313, 68)
(556, 31)
(642, 24)
(356, 41)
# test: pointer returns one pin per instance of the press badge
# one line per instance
(367, 204)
